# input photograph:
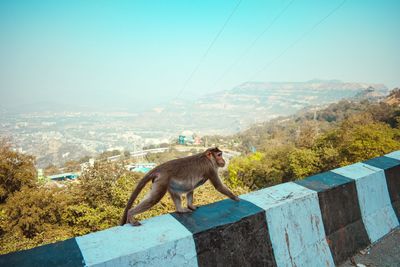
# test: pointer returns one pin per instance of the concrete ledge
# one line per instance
(373, 196)
(344, 228)
(391, 166)
(295, 225)
(66, 253)
(319, 221)
(229, 233)
(160, 240)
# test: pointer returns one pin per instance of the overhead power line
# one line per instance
(196, 68)
(305, 34)
(247, 50)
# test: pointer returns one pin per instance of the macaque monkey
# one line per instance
(178, 177)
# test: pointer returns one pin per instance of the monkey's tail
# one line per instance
(135, 194)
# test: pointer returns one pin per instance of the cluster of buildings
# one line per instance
(140, 167)
(189, 138)
(54, 138)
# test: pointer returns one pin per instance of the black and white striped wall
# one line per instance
(319, 221)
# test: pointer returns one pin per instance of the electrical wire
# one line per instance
(247, 50)
(204, 56)
(305, 34)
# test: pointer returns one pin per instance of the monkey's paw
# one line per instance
(193, 207)
(184, 210)
(135, 223)
(236, 198)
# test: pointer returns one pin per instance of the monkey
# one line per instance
(178, 177)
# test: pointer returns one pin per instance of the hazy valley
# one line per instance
(56, 136)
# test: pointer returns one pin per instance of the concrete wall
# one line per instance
(319, 221)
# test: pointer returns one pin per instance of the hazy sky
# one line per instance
(126, 53)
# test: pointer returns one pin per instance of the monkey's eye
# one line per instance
(219, 154)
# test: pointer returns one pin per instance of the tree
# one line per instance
(306, 134)
(34, 216)
(304, 162)
(16, 170)
(97, 184)
(258, 170)
(31, 212)
(368, 141)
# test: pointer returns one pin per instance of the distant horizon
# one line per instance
(34, 107)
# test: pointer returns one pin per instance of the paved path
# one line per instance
(385, 253)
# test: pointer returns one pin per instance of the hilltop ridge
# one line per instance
(230, 111)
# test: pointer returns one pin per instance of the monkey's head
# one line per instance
(215, 155)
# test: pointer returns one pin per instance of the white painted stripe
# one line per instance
(394, 155)
(160, 241)
(373, 196)
(295, 225)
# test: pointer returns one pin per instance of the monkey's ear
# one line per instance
(209, 154)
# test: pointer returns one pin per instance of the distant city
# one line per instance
(60, 136)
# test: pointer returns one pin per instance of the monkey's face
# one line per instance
(219, 159)
(215, 155)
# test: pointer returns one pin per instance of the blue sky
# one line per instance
(140, 53)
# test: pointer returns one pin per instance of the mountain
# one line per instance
(232, 110)
(370, 94)
(394, 97)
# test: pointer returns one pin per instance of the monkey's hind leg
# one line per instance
(156, 193)
(178, 202)
(189, 199)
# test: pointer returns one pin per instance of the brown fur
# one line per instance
(179, 176)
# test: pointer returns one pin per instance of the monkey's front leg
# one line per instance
(214, 179)
(178, 202)
(189, 199)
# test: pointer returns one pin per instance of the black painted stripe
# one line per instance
(323, 181)
(383, 162)
(64, 254)
(391, 168)
(341, 214)
(216, 214)
(393, 183)
(228, 233)
(347, 241)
